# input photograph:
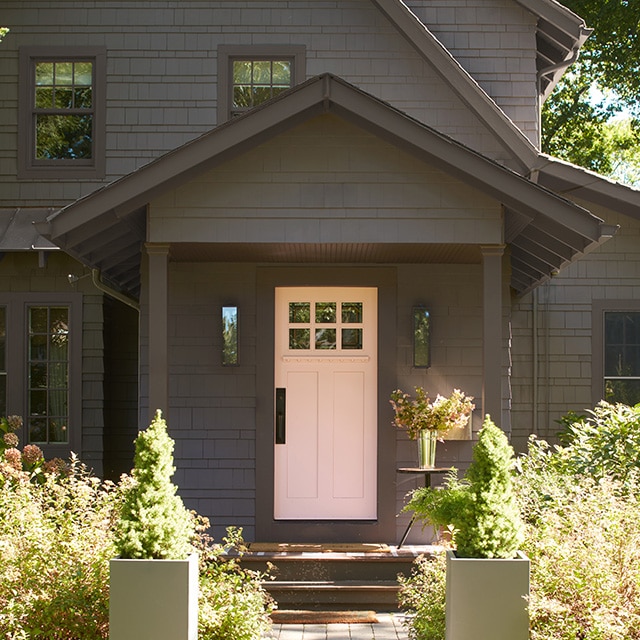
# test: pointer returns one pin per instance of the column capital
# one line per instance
(157, 248)
(492, 249)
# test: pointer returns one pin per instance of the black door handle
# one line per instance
(281, 406)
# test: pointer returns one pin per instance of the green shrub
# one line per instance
(482, 509)
(233, 603)
(422, 596)
(580, 504)
(604, 443)
(583, 540)
(154, 522)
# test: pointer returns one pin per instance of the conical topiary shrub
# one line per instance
(489, 526)
(482, 508)
(154, 523)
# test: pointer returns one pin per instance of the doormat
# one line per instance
(342, 547)
(323, 617)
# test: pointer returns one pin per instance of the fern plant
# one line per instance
(481, 509)
(154, 523)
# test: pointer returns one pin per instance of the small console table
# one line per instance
(427, 473)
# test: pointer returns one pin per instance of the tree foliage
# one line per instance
(593, 119)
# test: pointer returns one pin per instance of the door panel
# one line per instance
(326, 358)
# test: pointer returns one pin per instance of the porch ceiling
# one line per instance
(106, 229)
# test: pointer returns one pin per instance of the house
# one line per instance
(235, 212)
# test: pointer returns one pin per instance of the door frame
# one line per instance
(268, 529)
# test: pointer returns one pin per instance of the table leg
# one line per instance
(406, 533)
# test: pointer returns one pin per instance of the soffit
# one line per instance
(559, 36)
(105, 230)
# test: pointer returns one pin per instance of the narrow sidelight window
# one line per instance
(48, 375)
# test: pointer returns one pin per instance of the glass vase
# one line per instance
(427, 448)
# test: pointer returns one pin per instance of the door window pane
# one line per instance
(351, 312)
(299, 312)
(325, 312)
(299, 338)
(325, 339)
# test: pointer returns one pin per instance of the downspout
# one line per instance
(535, 349)
(101, 286)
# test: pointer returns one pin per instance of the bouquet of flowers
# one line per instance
(440, 415)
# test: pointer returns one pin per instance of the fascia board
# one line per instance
(558, 15)
(452, 157)
(324, 93)
(572, 180)
(461, 82)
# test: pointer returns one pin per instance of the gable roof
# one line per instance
(105, 229)
(560, 34)
(521, 150)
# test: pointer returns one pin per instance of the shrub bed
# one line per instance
(56, 539)
(581, 507)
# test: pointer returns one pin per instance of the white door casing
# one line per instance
(326, 363)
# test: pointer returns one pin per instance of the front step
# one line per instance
(335, 596)
(334, 580)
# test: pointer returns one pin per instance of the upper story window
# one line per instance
(622, 356)
(251, 75)
(61, 113)
(256, 81)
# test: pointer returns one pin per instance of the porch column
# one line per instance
(492, 332)
(158, 358)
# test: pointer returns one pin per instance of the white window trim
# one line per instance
(28, 168)
(227, 53)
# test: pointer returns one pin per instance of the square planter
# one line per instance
(487, 599)
(153, 599)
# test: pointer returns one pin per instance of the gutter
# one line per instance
(110, 291)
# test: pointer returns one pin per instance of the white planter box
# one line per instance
(155, 599)
(487, 599)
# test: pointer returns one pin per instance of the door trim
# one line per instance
(382, 529)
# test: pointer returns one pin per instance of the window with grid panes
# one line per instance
(48, 374)
(62, 113)
(622, 357)
(256, 81)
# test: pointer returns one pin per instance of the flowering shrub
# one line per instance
(441, 414)
(55, 545)
(57, 526)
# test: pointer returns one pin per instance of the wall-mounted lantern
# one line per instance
(229, 336)
(421, 338)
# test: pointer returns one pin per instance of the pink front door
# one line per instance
(326, 385)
